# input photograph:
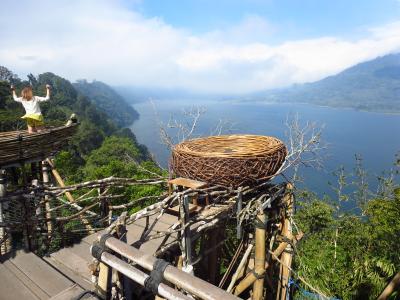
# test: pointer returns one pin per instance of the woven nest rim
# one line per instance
(230, 146)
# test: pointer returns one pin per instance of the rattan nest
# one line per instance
(229, 160)
(17, 147)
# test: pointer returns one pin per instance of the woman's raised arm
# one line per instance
(47, 94)
(14, 94)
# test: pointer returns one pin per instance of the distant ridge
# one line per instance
(373, 85)
(108, 101)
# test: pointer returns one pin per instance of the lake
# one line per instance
(374, 136)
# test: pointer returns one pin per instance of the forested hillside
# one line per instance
(100, 148)
(373, 85)
(108, 101)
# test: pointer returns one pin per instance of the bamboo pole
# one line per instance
(3, 238)
(103, 280)
(45, 172)
(190, 283)
(287, 255)
(282, 246)
(394, 285)
(69, 196)
(240, 267)
(245, 283)
(140, 277)
(186, 240)
(259, 257)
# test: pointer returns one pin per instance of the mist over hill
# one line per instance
(108, 101)
(373, 85)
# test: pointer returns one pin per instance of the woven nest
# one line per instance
(20, 146)
(230, 160)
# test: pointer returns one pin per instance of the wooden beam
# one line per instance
(212, 257)
(69, 196)
(394, 285)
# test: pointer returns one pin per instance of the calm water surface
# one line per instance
(374, 136)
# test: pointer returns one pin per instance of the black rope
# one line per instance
(257, 275)
(85, 293)
(97, 250)
(103, 239)
(99, 247)
(259, 224)
(156, 276)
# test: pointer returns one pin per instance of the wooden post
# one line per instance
(238, 210)
(259, 257)
(286, 257)
(104, 279)
(4, 245)
(185, 235)
(45, 172)
(212, 257)
(25, 209)
(394, 285)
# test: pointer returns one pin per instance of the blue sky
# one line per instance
(225, 46)
(293, 19)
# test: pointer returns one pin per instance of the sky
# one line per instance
(207, 46)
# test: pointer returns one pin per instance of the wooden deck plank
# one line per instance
(46, 277)
(159, 226)
(81, 249)
(73, 261)
(77, 264)
(26, 281)
(81, 281)
(13, 289)
(189, 183)
(69, 293)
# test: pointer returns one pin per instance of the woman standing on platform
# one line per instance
(33, 116)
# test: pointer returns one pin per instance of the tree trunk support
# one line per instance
(259, 257)
(46, 181)
(287, 255)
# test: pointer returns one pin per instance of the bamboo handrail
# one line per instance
(191, 284)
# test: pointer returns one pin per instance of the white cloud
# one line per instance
(102, 39)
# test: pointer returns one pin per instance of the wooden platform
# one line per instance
(20, 147)
(74, 261)
(27, 276)
(65, 273)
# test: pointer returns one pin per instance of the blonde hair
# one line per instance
(26, 93)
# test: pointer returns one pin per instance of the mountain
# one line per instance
(373, 85)
(108, 101)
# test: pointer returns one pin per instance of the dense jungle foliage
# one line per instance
(350, 254)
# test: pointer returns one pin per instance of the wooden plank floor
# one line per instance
(74, 261)
(27, 276)
(65, 273)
